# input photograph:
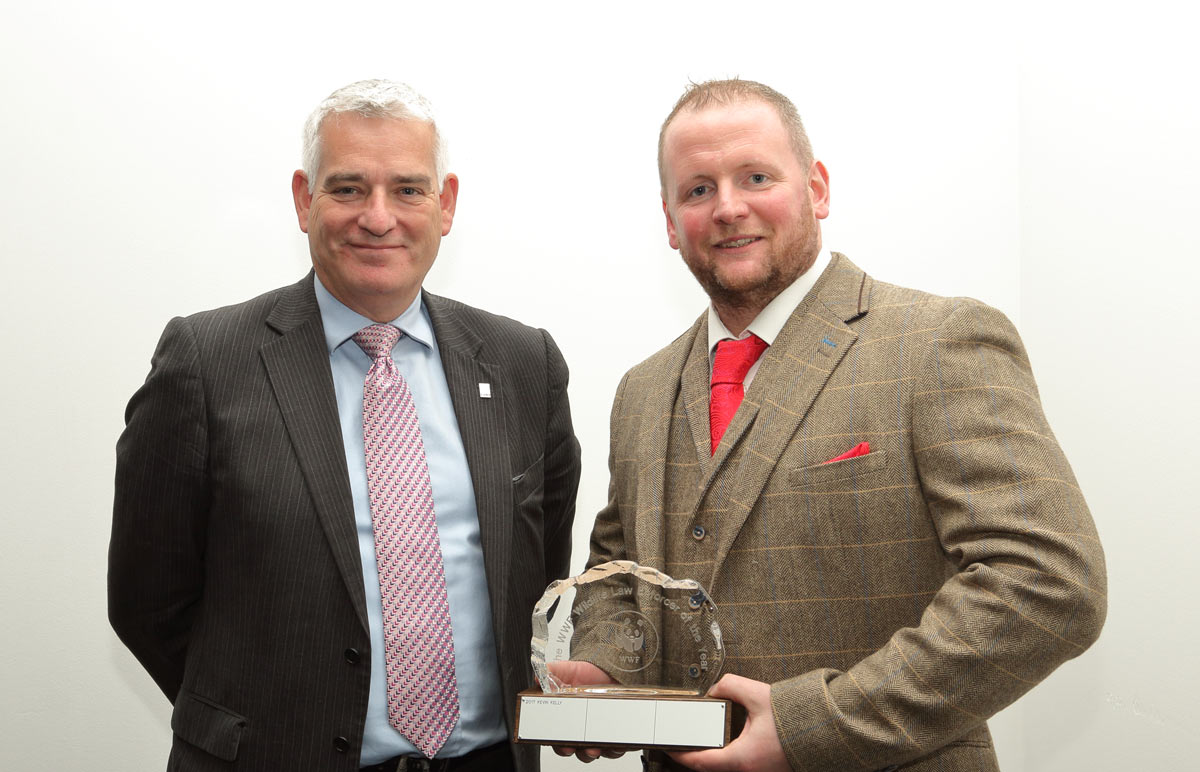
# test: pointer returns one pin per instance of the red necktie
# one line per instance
(733, 360)
(418, 643)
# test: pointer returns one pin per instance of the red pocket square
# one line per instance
(861, 449)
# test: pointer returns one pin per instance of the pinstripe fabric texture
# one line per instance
(234, 572)
(894, 600)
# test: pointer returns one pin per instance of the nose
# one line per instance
(729, 205)
(376, 217)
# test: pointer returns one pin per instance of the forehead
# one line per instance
(723, 131)
(350, 141)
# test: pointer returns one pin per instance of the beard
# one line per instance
(752, 294)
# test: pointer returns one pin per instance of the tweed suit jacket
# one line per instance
(234, 570)
(894, 600)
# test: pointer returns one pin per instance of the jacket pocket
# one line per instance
(838, 470)
(207, 725)
(529, 483)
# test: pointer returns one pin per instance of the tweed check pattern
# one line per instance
(419, 648)
(733, 360)
(894, 600)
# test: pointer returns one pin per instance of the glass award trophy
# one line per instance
(657, 640)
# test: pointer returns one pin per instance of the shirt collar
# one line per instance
(770, 321)
(341, 322)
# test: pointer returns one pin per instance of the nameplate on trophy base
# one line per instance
(587, 720)
(656, 642)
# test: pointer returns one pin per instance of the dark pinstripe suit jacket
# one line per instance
(234, 572)
(896, 600)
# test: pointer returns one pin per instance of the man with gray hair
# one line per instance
(337, 502)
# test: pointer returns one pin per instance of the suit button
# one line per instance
(698, 532)
(352, 656)
(341, 744)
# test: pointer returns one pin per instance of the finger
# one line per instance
(702, 761)
(587, 755)
(731, 687)
(577, 672)
(755, 696)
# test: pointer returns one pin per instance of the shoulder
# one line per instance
(285, 306)
(901, 318)
(668, 358)
(457, 325)
(234, 334)
(895, 309)
(852, 294)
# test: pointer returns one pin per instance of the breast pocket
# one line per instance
(838, 504)
(847, 469)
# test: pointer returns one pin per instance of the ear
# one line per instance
(448, 199)
(672, 238)
(301, 197)
(818, 189)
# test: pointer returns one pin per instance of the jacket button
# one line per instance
(352, 656)
(341, 744)
(698, 532)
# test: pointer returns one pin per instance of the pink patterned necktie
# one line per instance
(422, 693)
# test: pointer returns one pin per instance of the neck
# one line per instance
(736, 318)
(381, 309)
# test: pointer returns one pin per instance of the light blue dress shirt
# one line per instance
(481, 713)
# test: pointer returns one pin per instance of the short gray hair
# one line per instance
(371, 99)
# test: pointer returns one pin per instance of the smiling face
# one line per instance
(741, 208)
(375, 217)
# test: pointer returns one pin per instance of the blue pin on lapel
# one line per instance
(827, 346)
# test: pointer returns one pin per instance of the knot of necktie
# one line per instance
(734, 358)
(378, 340)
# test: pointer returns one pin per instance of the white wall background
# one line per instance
(1040, 156)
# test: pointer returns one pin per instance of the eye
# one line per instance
(697, 191)
(410, 191)
(758, 178)
(345, 191)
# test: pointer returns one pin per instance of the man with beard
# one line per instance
(860, 474)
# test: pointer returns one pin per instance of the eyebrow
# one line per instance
(339, 178)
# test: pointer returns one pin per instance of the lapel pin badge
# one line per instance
(827, 346)
(485, 391)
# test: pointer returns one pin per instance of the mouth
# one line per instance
(375, 247)
(737, 243)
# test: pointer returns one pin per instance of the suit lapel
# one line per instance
(297, 364)
(658, 414)
(794, 370)
(481, 424)
(696, 383)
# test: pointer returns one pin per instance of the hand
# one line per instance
(579, 673)
(757, 747)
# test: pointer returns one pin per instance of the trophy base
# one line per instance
(622, 719)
